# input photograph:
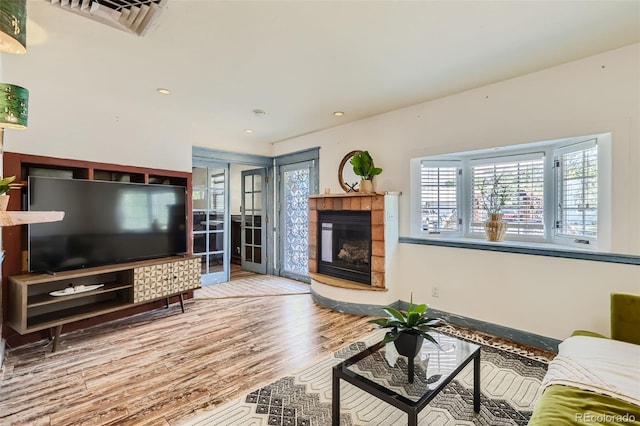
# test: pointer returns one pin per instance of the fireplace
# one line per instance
(344, 245)
(361, 209)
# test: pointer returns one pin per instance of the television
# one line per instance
(104, 223)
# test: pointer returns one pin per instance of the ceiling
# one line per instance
(299, 61)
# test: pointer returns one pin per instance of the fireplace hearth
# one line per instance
(344, 245)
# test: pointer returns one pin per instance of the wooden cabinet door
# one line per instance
(152, 282)
(186, 274)
(165, 279)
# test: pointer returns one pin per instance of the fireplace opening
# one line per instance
(344, 245)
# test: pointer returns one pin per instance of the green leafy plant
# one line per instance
(5, 184)
(363, 165)
(414, 321)
(494, 194)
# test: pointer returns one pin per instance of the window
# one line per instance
(548, 192)
(519, 182)
(439, 196)
(577, 189)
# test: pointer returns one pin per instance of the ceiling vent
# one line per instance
(133, 16)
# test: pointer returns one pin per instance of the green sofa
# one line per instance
(595, 380)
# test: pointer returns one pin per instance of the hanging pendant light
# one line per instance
(13, 26)
(14, 102)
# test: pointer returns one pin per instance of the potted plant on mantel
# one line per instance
(5, 186)
(492, 201)
(363, 166)
(409, 330)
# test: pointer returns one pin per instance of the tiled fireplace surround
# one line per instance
(351, 202)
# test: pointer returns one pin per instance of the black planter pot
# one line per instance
(409, 345)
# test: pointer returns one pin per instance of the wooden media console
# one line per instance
(33, 308)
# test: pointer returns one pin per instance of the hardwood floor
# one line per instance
(164, 367)
(254, 285)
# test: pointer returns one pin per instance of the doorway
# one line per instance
(233, 233)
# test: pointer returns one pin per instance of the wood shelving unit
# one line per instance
(27, 320)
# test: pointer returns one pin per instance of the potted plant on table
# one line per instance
(5, 186)
(493, 199)
(409, 330)
(363, 166)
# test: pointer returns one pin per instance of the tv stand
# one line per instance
(33, 308)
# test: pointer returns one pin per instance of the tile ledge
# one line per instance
(338, 282)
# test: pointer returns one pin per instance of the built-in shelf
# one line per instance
(22, 218)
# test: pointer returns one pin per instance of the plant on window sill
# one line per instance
(492, 202)
(494, 198)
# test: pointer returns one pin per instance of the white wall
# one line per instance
(547, 296)
(86, 112)
(67, 120)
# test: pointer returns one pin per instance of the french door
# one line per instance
(296, 182)
(211, 220)
(254, 220)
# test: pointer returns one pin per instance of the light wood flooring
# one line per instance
(164, 367)
(254, 285)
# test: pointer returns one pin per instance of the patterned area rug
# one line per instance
(510, 384)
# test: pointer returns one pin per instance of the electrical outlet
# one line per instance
(435, 292)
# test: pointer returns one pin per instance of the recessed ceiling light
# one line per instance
(338, 113)
(248, 130)
(163, 91)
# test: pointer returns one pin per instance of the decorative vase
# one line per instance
(366, 186)
(409, 345)
(4, 202)
(495, 227)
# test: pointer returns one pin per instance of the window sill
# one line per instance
(537, 249)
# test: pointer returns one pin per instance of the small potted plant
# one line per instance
(409, 330)
(493, 199)
(5, 186)
(363, 166)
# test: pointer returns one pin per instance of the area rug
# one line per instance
(510, 384)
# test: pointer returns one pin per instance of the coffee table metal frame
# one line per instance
(412, 408)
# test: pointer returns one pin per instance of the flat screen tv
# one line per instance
(104, 223)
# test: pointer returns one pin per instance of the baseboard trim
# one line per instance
(519, 336)
(347, 307)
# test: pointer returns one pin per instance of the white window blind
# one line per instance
(577, 191)
(517, 186)
(439, 197)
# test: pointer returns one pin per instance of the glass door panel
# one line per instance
(296, 184)
(253, 231)
(210, 221)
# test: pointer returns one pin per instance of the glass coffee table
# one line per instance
(380, 371)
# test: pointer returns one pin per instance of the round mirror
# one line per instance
(349, 181)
